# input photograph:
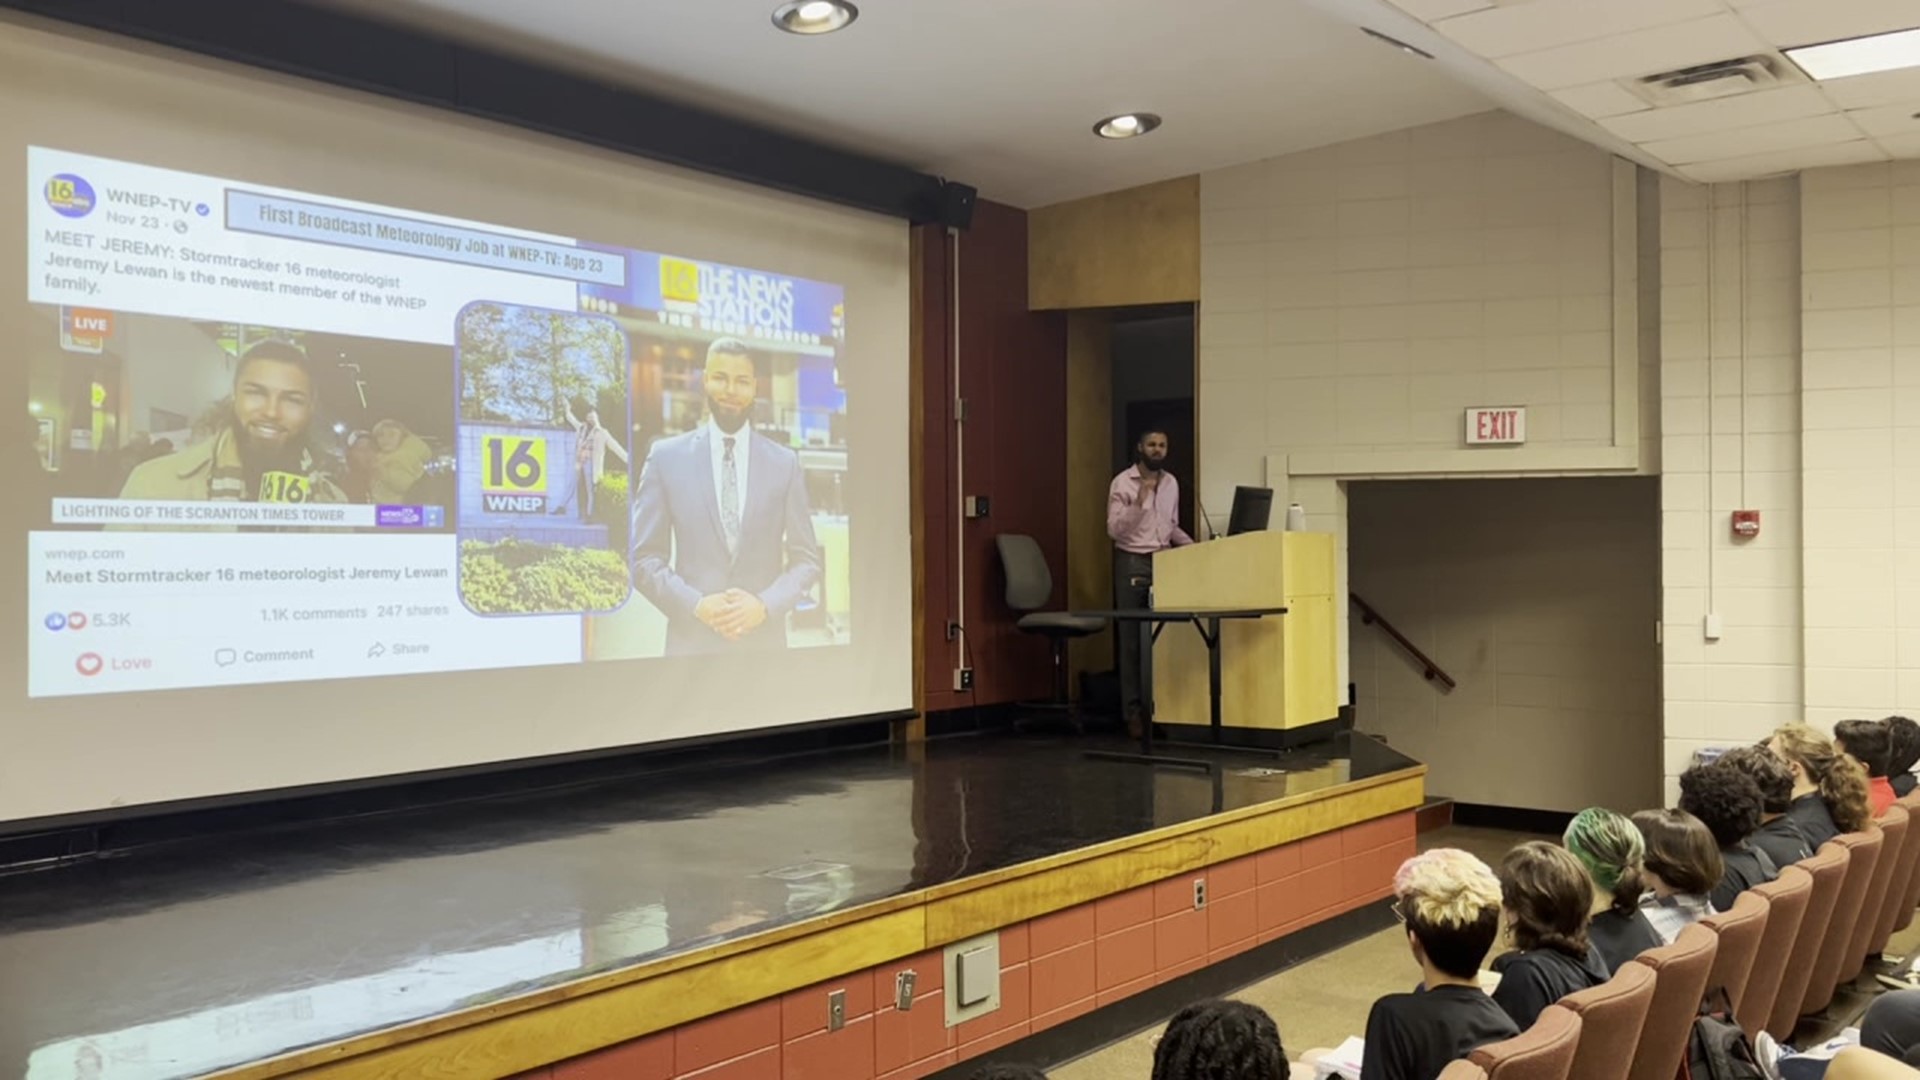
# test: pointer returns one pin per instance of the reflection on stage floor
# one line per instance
(179, 959)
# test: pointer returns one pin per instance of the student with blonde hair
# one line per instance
(1612, 852)
(1829, 788)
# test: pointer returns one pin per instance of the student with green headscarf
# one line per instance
(1611, 849)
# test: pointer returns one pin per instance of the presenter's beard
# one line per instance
(1151, 464)
(727, 419)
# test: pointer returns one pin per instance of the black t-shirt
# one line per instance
(1533, 979)
(1782, 841)
(1414, 1036)
(1745, 868)
(1903, 783)
(1619, 938)
(1810, 813)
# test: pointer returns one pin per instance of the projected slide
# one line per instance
(283, 436)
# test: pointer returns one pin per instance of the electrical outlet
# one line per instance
(1199, 893)
(953, 629)
(903, 984)
(836, 1010)
(963, 678)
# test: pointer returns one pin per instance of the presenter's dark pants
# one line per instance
(1132, 578)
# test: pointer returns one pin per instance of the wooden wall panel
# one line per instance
(1137, 246)
(1012, 374)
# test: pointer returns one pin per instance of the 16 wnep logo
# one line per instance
(69, 195)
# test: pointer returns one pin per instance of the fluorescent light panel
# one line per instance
(1859, 56)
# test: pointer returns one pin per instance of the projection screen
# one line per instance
(362, 440)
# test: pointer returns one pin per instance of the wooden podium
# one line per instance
(1280, 675)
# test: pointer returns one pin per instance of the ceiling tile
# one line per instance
(1641, 52)
(1799, 22)
(1902, 146)
(1872, 91)
(1707, 117)
(1856, 152)
(1887, 120)
(1601, 99)
(1433, 10)
(1544, 24)
(1761, 139)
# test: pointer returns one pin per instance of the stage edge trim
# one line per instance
(557, 1023)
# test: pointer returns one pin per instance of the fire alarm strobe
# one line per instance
(1746, 524)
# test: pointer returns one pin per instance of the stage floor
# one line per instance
(189, 957)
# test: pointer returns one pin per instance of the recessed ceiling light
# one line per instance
(1126, 125)
(1410, 50)
(1859, 56)
(814, 16)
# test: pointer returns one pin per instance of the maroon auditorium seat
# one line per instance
(1828, 868)
(1739, 930)
(1611, 1016)
(1863, 854)
(1786, 898)
(1899, 870)
(1911, 803)
(1682, 969)
(1542, 1052)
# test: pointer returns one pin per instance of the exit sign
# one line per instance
(1497, 427)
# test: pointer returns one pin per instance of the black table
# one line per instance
(1205, 621)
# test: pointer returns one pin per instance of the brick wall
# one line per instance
(1053, 969)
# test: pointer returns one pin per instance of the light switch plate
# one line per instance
(972, 978)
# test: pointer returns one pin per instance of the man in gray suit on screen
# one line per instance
(723, 540)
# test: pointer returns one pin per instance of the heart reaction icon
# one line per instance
(89, 664)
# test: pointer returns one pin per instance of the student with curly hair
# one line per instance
(1829, 788)
(1903, 743)
(1450, 902)
(1683, 866)
(1727, 802)
(1611, 850)
(1546, 896)
(1220, 1040)
(1867, 742)
(1777, 835)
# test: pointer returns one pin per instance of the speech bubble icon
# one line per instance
(225, 657)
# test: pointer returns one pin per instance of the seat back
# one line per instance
(1876, 917)
(1462, 1069)
(1682, 969)
(1828, 869)
(1029, 582)
(1739, 930)
(1894, 897)
(1611, 1016)
(1863, 854)
(1786, 898)
(1542, 1052)
(1911, 804)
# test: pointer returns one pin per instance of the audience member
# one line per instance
(1611, 850)
(1777, 835)
(1892, 1026)
(1866, 742)
(1450, 902)
(1727, 802)
(1829, 789)
(1903, 742)
(1546, 896)
(1683, 866)
(1220, 1040)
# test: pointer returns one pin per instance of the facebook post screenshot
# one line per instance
(283, 436)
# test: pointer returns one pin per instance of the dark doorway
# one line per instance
(1153, 388)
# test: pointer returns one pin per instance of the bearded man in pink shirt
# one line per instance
(1143, 516)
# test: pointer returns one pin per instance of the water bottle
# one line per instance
(1296, 518)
